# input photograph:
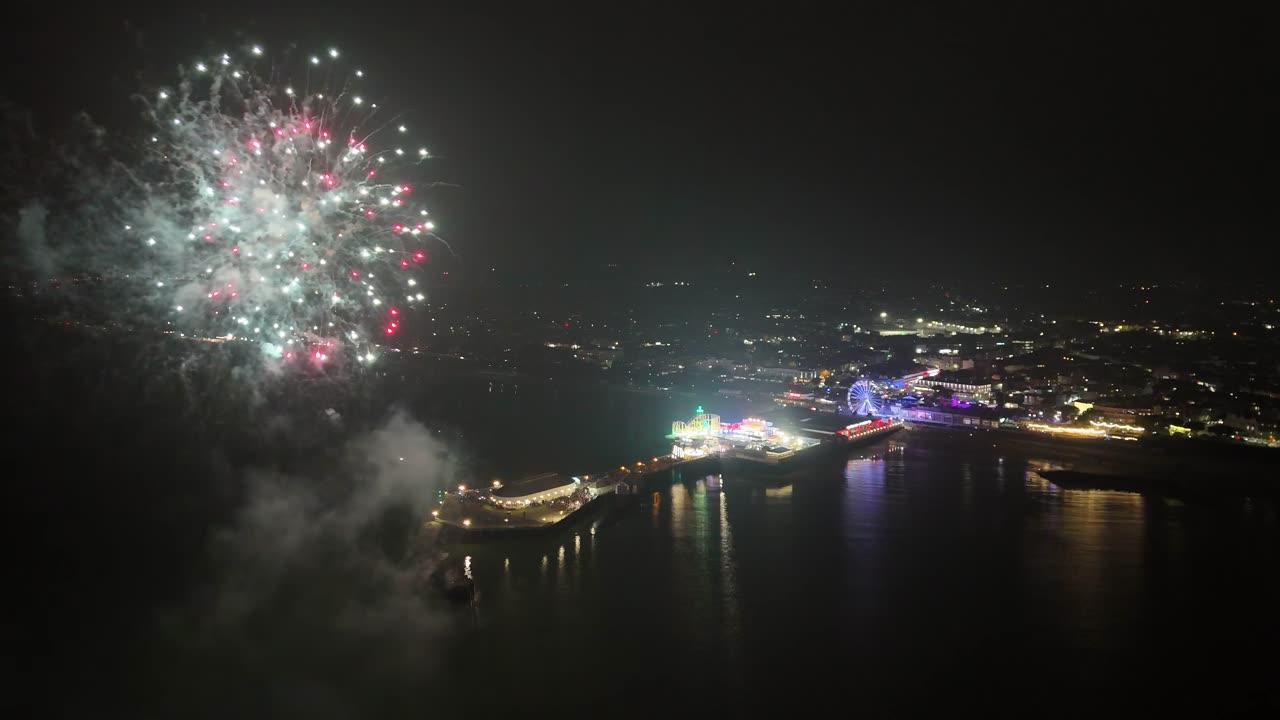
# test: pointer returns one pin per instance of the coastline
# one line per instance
(1176, 468)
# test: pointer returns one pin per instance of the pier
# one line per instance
(481, 511)
(703, 445)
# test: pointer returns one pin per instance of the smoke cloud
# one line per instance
(317, 599)
(246, 211)
(32, 239)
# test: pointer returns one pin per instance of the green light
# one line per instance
(699, 410)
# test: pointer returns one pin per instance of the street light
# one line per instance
(466, 523)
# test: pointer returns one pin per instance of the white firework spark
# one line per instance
(279, 211)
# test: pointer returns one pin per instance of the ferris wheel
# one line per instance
(864, 398)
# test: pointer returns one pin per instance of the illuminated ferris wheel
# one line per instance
(864, 398)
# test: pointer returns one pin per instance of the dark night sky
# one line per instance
(1022, 141)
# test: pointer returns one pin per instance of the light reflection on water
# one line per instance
(904, 551)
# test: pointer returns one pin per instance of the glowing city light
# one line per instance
(864, 398)
(1056, 430)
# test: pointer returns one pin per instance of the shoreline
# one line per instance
(1185, 488)
(1176, 469)
(1173, 468)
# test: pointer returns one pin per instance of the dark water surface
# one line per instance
(931, 570)
(928, 570)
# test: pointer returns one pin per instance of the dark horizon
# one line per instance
(1031, 143)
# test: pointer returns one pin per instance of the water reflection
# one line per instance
(966, 484)
(863, 501)
(865, 474)
(927, 552)
(1088, 554)
(728, 585)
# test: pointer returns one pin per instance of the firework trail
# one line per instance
(274, 205)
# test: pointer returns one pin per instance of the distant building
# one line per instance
(968, 417)
(896, 332)
(945, 362)
(607, 486)
(784, 374)
(1122, 412)
(1239, 422)
(537, 489)
(963, 386)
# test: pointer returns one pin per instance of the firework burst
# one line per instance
(280, 210)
